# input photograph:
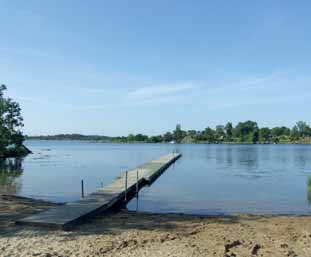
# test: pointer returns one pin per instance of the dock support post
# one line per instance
(82, 188)
(125, 193)
(137, 189)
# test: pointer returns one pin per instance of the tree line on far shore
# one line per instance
(244, 132)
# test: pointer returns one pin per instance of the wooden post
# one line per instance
(125, 194)
(82, 188)
(137, 189)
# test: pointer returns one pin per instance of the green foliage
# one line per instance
(303, 129)
(179, 134)
(246, 132)
(209, 135)
(220, 133)
(280, 131)
(294, 134)
(265, 135)
(11, 123)
(72, 137)
(229, 131)
(155, 139)
(168, 137)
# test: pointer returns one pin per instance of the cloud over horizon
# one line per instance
(164, 90)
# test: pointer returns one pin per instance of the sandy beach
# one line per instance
(142, 234)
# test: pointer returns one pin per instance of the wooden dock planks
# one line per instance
(73, 213)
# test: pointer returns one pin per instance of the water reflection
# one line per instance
(247, 158)
(10, 171)
(301, 157)
(229, 156)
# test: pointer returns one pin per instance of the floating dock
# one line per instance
(120, 191)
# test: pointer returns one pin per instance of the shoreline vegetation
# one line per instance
(247, 132)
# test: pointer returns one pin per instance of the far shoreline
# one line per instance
(166, 143)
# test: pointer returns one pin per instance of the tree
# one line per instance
(280, 131)
(220, 132)
(191, 133)
(294, 134)
(11, 122)
(131, 138)
(168, 137)
(265, 135)
(229, 131)
(199, 136)
(179, 134)
(155, 139)
(247, 132)
(140, 138)
(303, 129)
(209, 135)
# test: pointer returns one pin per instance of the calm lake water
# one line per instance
(208, 179)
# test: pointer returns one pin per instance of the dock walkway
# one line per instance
(70, 214)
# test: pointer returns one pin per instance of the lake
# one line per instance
(208, 179)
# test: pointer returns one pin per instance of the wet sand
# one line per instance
(141, 234)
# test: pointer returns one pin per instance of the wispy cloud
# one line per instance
(158, 92)
(251, 90)
(272, 88)
(261, 81)
(249, 83)
(143, 96)
(42, 102)
(218, 105)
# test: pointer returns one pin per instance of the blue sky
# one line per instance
(120, 67)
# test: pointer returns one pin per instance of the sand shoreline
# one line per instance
(128, 233)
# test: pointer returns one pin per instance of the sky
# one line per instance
(119, 67)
